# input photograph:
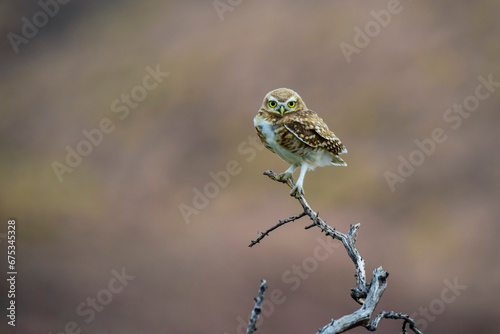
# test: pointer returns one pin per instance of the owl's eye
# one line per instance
(292, 104)
(273, 104)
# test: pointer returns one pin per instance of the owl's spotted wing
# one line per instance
(309, 128)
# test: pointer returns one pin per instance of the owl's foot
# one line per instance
(297, 191)
(284, 177)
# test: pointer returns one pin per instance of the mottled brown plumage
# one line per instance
(296, 134)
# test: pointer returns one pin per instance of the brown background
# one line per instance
(120, 206)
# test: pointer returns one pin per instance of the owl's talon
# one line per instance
(283, 177)
(297, 191)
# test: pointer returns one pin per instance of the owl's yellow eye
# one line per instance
(273, 104)
(292, 104)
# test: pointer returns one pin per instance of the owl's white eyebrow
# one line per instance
(291, 99)
(271, 98)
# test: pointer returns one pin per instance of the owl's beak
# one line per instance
(282, 110)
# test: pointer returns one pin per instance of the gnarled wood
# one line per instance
(368, 295)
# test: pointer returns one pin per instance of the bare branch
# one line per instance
(281, 223)
(362, 316)
(368, 295)
(348, 240)
(252, 323)
(372, 326)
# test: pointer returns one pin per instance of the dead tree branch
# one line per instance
(368, 295)
(281, 223)
(252, 323)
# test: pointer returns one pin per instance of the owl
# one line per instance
(297, 135)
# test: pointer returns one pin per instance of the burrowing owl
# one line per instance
(297, 135)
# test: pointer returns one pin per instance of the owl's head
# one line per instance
(283, 100)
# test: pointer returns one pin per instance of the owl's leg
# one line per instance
(287, 174)
(298, 190)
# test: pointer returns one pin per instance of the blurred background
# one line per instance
(107, 163)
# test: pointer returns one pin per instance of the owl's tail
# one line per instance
(337, 161)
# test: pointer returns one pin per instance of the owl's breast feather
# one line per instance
(269, 135)
(266, 132)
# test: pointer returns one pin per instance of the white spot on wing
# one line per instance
(296, 135)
